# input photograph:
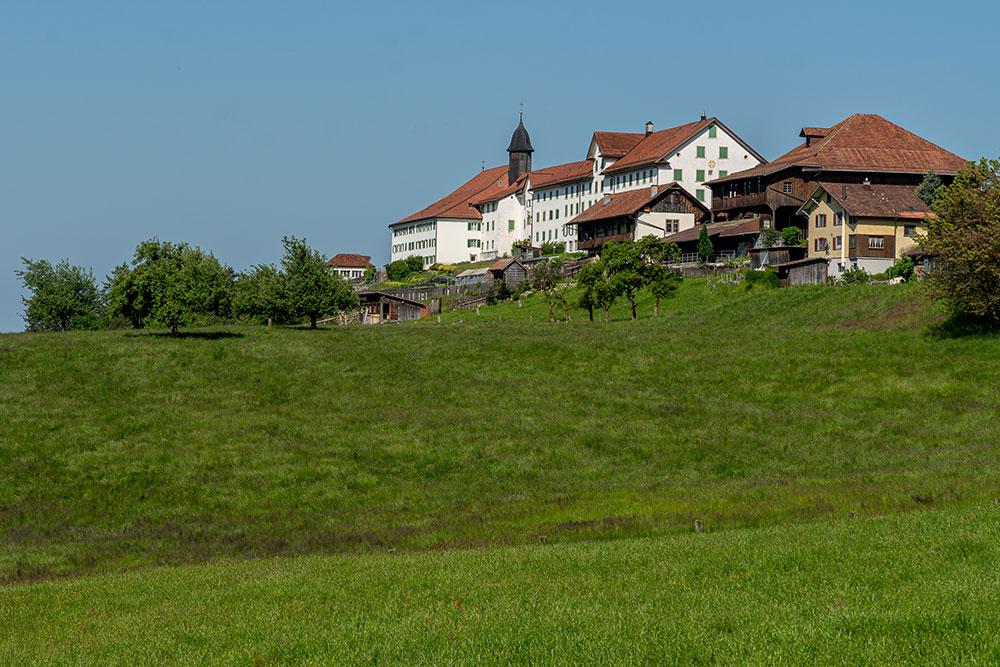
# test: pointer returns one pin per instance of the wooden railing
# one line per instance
(724, 203)
(601, 240)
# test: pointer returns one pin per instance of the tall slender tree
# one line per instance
(311, 290)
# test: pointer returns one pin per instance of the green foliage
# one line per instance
(901, 268)
(854, 274)
(310, 290)
(62, 297)
(397, 271)
(625, 265)
(171, 285)
(766, 279)
(927, 191)
(553, 248)
(545, 277)
(260, 295)
(964, 241)
(705, 248)
(770, 237)
(662, 282)
(414, 263)
(370, 274)
(792, 236)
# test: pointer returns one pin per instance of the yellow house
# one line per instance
(859, 224)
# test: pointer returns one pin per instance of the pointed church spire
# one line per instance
(520, 151)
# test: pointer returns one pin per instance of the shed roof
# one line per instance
(631, 202)
(873, 201)
(350, 259)
(375, 294)
(458, 204)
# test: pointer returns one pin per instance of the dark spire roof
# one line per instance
(520, 142)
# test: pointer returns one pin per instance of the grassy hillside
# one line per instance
(132, 448)
(922, 587)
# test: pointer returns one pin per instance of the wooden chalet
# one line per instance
(660, 210)
(730, 238)
(862, 146)
(379, 307)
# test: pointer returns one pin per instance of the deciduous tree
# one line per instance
(545, 278)
(624, 263)
(964, 240)
(311, 290)
(62, 297)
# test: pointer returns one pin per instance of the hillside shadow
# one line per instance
(964, 326)
(199, 335)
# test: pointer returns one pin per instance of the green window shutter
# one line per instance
(723, 152)
(678, 174)
(700, 194)
(711, 132)
(699, 175)
(723, 173)
(510, 225)
(701, 151)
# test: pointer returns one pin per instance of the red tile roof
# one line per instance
(862, 142)
(543, 178)
(876, 201)
(457, 204)
(617, 144)
(629, 202)
(656, 146)
(350, 259)
(734, 227)
(503, 264)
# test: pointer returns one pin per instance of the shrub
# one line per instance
(770, 237)
(766, 279)
(855, 274)
(553, 248)
(792, 236)
(415, 263)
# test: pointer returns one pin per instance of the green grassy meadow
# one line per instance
(916, 588)
(183, 475)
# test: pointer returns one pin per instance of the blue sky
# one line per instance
(230, 124)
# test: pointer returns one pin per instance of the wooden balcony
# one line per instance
(740, 201)
(601, 240)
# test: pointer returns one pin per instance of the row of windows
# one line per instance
(489, 208)
(570, 191)
(414, 245)
(414, 229)
(475, 243)
(553, 234)
(491, 226)
(475, 226)
(874, 243)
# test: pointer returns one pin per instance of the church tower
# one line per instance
(520, 152)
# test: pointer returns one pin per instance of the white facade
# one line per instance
(541, 212)
(712, 154)
(662, 224)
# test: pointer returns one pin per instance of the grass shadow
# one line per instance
(965, 326)
(201, 335)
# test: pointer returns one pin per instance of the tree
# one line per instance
(63, 296)
(170, 284)
(545, 278)
(624, 263)
(414, 263)
(791, 236)
(964, 240)
(260, 294)
(769, 237)
(928, 188)
(370, 274)
(705, 248)
(310, 289)
(589, 279)
(662, 282)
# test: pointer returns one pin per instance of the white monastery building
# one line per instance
(502, 206)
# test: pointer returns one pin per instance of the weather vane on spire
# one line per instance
(522, 108)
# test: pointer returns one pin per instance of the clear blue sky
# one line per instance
(230, 124)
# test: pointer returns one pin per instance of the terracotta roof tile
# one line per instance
(457, 204)
(562, 173)
(862, 142)
(629, 202)
(656, 146)
(617, 144)
(876, 201)
(350, 259)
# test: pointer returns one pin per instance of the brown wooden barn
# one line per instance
(862, 146)
(761, 257)
(809, 271)
(509, 270)
(379, 307)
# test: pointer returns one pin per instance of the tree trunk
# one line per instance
(633, 308)
(173, 328)
(607, 317)
(656, 307)
(312, 321)
(548, 301)
(590, 309)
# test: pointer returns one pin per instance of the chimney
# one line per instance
(703, 114)
(843, 193)
(653, 190)
(649, 127)
(867, 183)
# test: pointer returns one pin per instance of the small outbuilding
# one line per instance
(509, 270)
(471, 276)
(761, 257)
(379, 307)
(527, 252)
(808, 271)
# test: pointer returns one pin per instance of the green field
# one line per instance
(922, 587)
(769, 415)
